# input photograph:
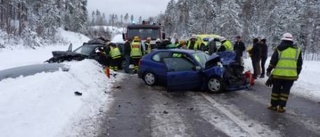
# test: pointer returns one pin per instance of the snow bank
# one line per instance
(45, 104)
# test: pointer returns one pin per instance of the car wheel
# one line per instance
(149, 78)
(215, 85)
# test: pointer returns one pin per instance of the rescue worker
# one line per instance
(192, 43)
(147, 45)
(239, 48)
(226, 45)
(286, 63)
(158, 43)
(136, 51)
(101, 56)
(115, 55)
(182, 44)
(126, 53)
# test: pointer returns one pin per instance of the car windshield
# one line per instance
(201, 58)
(85, 49)
(144, 33)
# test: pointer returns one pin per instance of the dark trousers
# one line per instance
(263, 68)
(135, 61)
(280, 92)
(256, 66)
(114, 63)
(126, 67)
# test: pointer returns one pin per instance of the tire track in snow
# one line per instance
(167, 119)
(251, 127)
(292, 116)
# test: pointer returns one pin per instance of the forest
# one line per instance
(33, 22)
(248, 18)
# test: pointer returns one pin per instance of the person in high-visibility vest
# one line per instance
(115, 55)
(226, 45)
(193, 44)
(136, 52)
(148, 45)
(286, 63)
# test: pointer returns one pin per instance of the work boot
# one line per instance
(281, 109)
(274, 108)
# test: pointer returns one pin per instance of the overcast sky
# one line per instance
(144, 8)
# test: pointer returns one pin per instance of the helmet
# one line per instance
(136, 38)
(222, 39)
(158, 40)
(182, 42)
(287, 36)
(149, 38)
(193, 37)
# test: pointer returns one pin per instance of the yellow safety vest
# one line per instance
(228, 45)
(195, 47)
(148, 47)
(115, 52)
(135, 49)
(286, 67)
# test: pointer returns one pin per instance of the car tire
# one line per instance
(215, 85)
(149, 78)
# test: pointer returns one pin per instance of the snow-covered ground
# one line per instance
(45, 104)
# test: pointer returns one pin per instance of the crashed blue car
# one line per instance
(185, 70)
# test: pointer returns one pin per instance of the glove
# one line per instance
(269, 82)
(268, 73)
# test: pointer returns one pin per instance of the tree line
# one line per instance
(27, 19)
(249, 18)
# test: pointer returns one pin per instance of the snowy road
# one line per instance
(139, 110)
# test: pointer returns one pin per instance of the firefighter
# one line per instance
(147, 44)
(115, 55)
(193, 44)
(286, 63)
(226, 45)
(136, 52)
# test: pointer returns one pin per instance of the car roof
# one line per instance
(188, 51)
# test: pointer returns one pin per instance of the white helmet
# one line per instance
(222, 39)
(287, 36)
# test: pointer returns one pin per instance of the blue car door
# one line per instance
(182, 75)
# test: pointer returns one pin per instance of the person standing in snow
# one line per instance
(136, 52)
(264, 56)
(286, 63)
(239, 48)
(255, 54)
(126, 53)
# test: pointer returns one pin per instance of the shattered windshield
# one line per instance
(201, 58)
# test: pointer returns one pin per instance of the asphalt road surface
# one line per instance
(142, 111)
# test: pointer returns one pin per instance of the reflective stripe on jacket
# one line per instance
(135, 49)
(195, 46)
(286, 67)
